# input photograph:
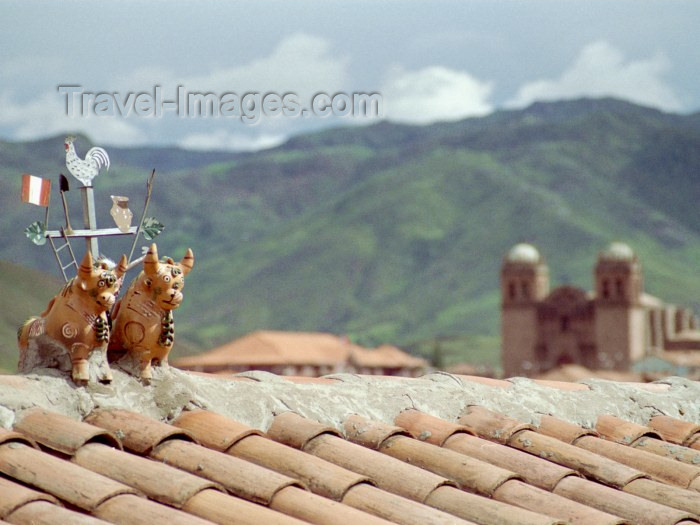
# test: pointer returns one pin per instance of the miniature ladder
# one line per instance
(57, 253)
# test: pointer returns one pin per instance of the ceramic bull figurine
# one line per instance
(75, 323)
(143, 318)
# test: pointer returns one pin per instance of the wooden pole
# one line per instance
(89, 219)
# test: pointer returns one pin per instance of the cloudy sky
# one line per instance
(430, 61)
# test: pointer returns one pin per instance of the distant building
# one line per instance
(303, 354)
(609, 328)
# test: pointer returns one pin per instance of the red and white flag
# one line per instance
(35, 190)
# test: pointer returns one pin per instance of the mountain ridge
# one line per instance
(395, 233)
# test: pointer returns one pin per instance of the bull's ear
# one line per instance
(150, 263)
(187, 262)
(85, 270)
(120, 270)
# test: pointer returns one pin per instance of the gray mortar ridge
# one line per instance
(256, 402)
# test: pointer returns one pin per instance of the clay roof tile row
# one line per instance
(117, 465)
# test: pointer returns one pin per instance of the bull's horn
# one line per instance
(150, 263)
(121, 268)
(187, 262)
(85, 270)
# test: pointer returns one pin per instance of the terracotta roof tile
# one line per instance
(263, 348)
(694, 442)
(244, 442)
(496, 426)
(657, 467)
(86, 489)
(214, 430)
(535, 470)
(160, 482)
(370, 433)
(322, 477)
(466, 504)
(135, 510)
(669, 450)
(138, 433)
(675, 430)
(8, 436)
(491, 425)
(621, 431)
(60, 433)
(43, 513)
(595, 466)
(389, 473)
(214, 468)
(290, 429)
(563, 430)
(316, 509)
(538, 500)
(396, 508)
(221, 508)
(636, 509)
(683, 500)
(241, 478)
(428, 428)
(15, 496)
(473, 474)
(408, 480)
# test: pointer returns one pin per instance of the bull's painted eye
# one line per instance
(101, 283)
(166, 278)
(176, 286)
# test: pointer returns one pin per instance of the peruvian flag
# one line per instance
(35, 190)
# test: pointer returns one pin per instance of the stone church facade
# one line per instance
(609, 328)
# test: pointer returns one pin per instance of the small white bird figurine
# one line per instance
(85, 169)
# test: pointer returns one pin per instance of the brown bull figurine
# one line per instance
(143, 318)
(75, 323)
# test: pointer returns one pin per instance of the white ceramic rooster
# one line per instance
(85, 169)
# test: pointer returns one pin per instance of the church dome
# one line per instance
(523, 253)
(617, 251)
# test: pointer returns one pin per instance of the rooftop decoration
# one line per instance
(75, 324)
(37, 191)
(73, 333)
(143, 319)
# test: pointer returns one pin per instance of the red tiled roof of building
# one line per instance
(266, 348)
(348, 449)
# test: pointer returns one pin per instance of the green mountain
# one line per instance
(24, 292)
(394, 233)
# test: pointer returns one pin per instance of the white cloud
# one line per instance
(222, 140)
(433, 94)
(602, 70)
(299, 63)
(45, 116)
